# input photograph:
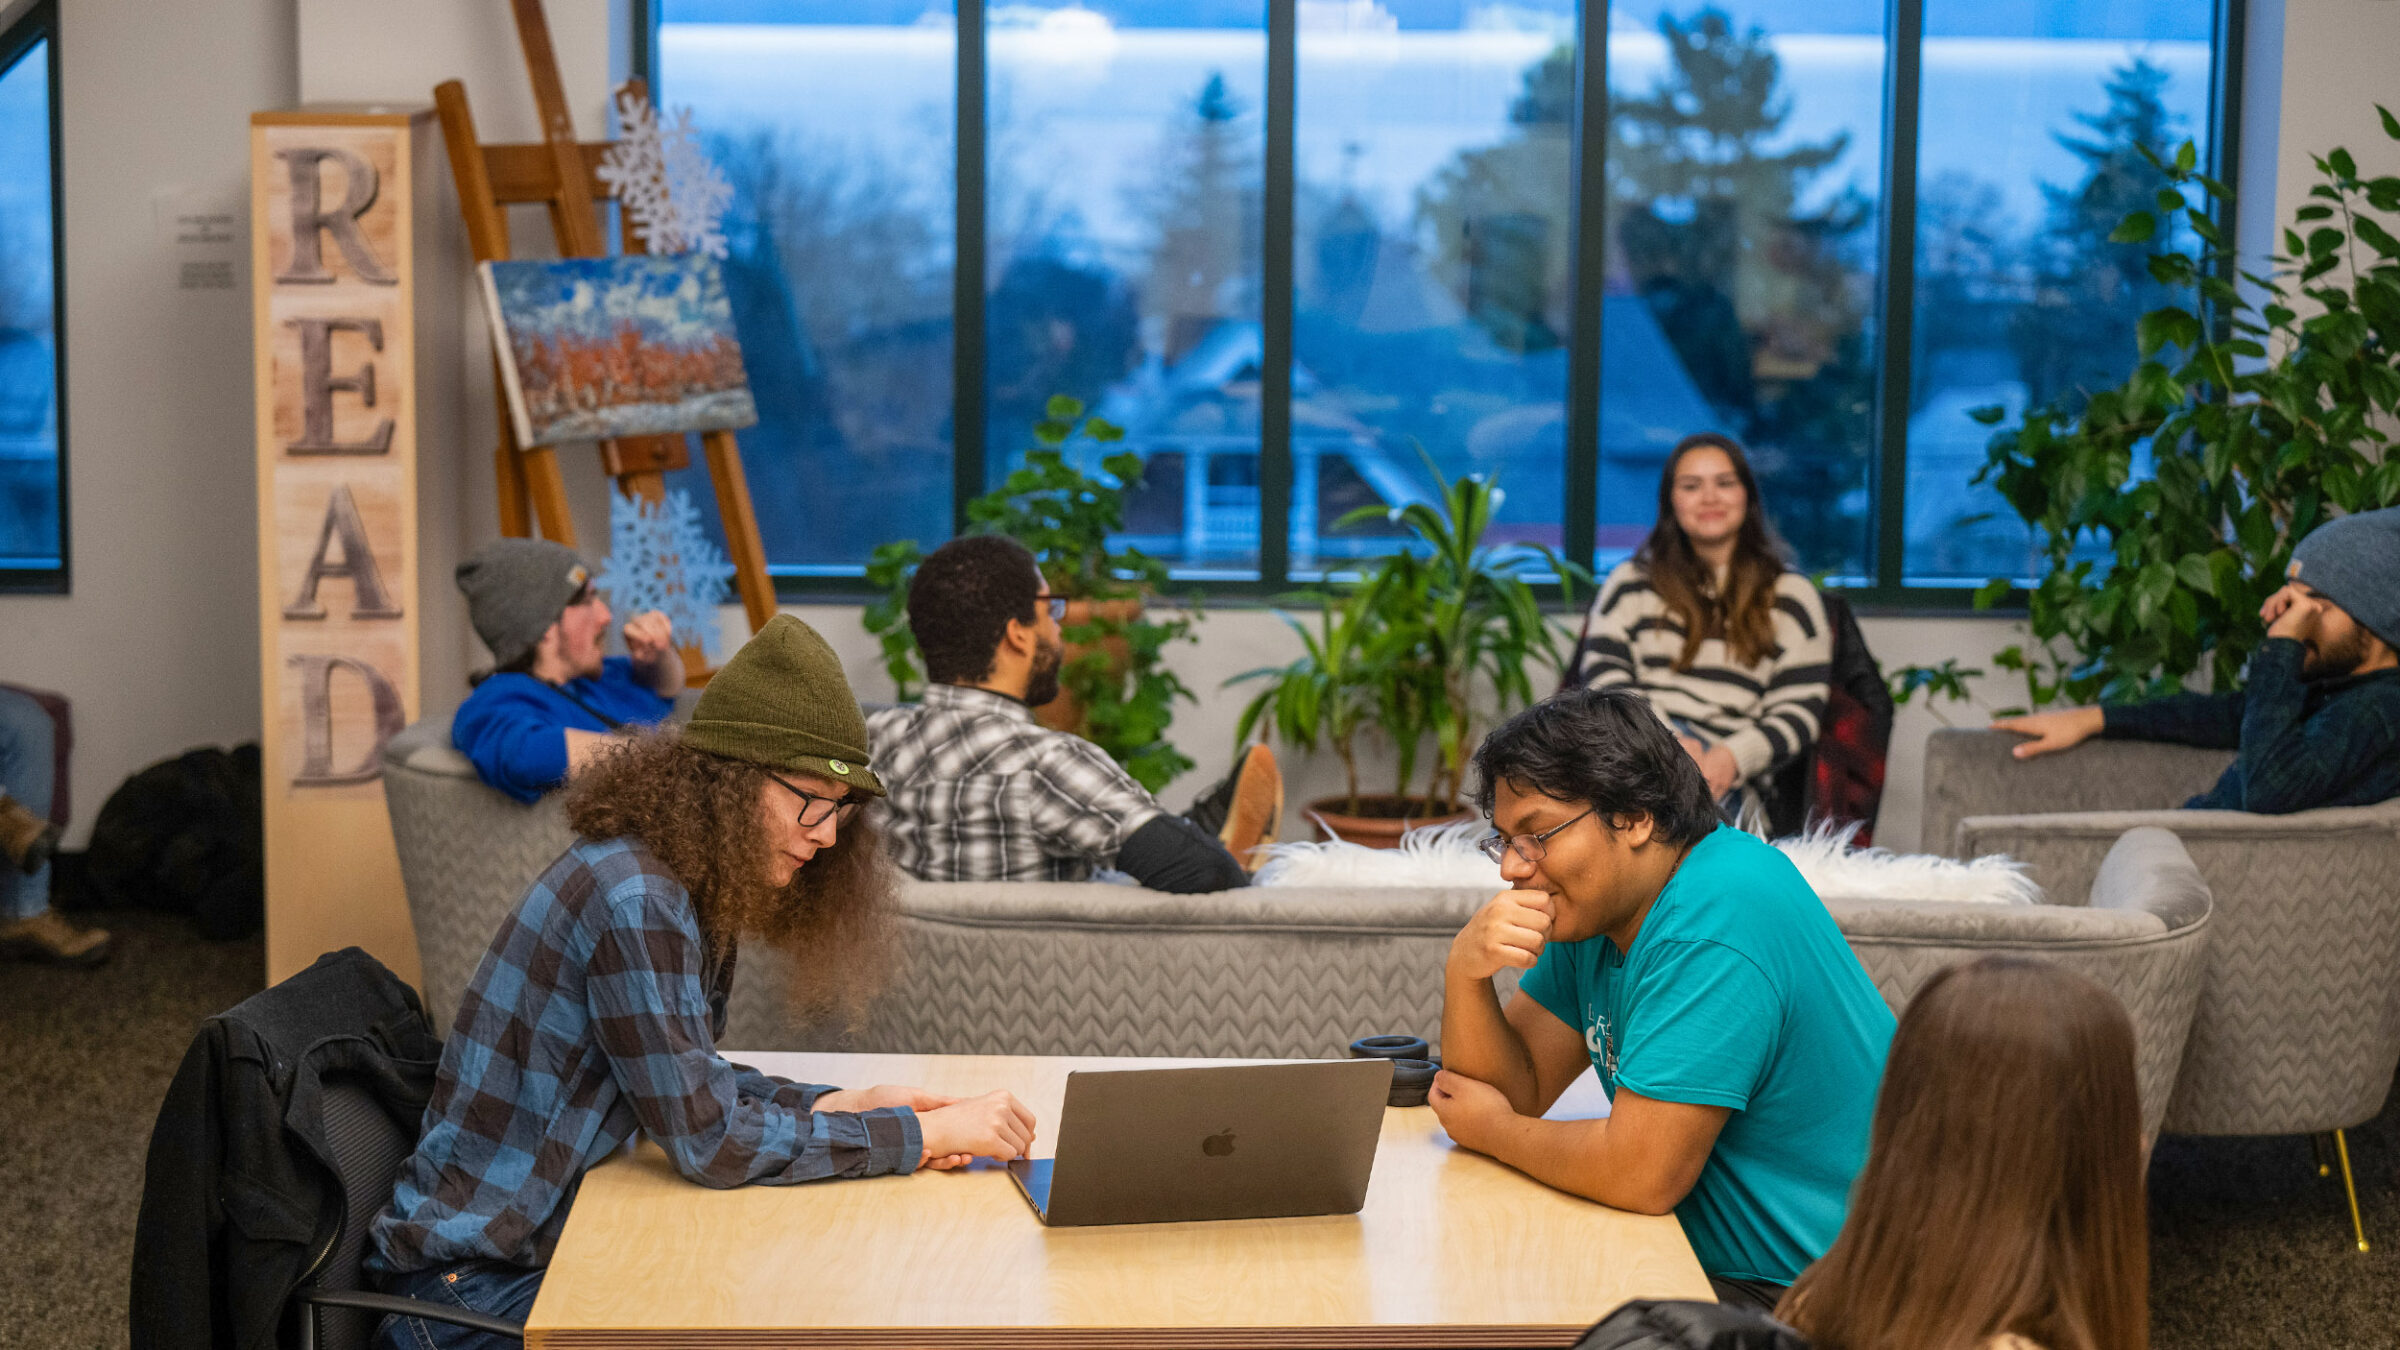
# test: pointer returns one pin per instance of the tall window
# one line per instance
(836, 123)
(2033, 126)
(1126, 152)
(33, 553)
(1316, 255)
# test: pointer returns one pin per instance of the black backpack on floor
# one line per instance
(184, 835)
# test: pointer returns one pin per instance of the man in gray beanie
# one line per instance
(2318, 722)
(554, 695)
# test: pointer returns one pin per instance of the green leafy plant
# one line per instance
(1423, 646)
(2262, 421)
(1118, 675)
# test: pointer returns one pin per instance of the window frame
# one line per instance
(39, 23)
(1886, 592)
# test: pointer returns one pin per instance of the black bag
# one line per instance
(1666, 1324)
(185, 835)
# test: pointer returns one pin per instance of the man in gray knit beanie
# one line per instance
(555, 695)
(2317, 721)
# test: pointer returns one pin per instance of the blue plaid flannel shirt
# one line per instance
(596, 1012)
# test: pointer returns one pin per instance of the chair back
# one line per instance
(368, 1147)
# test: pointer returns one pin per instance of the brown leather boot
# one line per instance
(48, 937)
(26, 840)
(1256, 810)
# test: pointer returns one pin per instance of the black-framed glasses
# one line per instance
(814, 809)
(1056, 604)
(1531, 847)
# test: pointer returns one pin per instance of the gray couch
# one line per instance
(1099, 969)
(2298, 1025)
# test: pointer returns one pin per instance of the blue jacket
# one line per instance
(514, 726)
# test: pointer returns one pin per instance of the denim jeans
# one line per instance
(27, 742)
(493, 1288)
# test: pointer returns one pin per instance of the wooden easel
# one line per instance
(559, 174)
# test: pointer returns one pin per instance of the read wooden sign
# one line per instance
(339, 212)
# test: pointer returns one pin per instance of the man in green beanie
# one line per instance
(597, 1011)
(2317, 720)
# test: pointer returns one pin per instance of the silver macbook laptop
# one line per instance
(1244, 1141)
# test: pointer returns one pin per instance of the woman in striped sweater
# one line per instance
(1730, 647)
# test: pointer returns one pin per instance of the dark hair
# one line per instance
(961, 599)
(1743, 614)
(1602, 746)
(698, 814)
(2003, 1187)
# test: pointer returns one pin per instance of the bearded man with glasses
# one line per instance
(1689, 964)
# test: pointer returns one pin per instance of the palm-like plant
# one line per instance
(1473, 618)
(1417, 645)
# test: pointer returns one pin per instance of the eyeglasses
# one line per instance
(1531, 847)
(814, 809)
(1056, 604)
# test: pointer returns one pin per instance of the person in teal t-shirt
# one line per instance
(1691, 966)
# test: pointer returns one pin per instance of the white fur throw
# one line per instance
(1447, 856)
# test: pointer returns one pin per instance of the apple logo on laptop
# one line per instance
(1218, 1145)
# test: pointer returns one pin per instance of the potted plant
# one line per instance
(2260, 426)
(1115, 689)
(1422, 647)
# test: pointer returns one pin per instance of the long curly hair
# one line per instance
(698, 814)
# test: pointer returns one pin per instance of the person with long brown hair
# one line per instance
(1730, 646)
(2001, 1206)
(597, 1010)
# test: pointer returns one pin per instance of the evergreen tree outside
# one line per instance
(1763, 299)
(1204, 208)
(2076, 332)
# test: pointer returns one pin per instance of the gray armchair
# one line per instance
(2139, 928)
(2298, 1025)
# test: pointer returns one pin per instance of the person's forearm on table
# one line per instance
(1575, 1156)
(1478, 1041)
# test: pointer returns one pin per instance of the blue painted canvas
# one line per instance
(632, 346)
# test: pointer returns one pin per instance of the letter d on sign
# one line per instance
(316, 716)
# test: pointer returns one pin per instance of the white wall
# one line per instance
(158, 642)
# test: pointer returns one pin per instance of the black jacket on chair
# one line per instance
(239, 1191)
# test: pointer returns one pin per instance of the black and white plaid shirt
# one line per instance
(982, 792)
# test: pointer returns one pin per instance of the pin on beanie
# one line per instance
(783, 703)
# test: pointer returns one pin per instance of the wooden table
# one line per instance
(1452, 1249)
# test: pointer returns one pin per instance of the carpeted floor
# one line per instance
(2249, 1246)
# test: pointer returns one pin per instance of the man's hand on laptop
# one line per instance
(994, 1125)
(1506, 934)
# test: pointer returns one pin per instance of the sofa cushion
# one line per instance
(1939, 922)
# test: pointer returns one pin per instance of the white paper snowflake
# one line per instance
(672, 193)
(660, 558)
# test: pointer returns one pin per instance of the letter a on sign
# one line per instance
(358, 564)
(311, 222)
(316, 716)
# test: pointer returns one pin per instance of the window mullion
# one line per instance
(1896, 293)
(1275, 316)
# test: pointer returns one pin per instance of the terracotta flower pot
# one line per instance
(1383, 818)
(1065, 713)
